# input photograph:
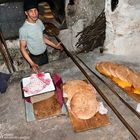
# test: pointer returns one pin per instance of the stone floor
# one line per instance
(13, 124)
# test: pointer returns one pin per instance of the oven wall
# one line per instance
(84, 12)
(123, 28)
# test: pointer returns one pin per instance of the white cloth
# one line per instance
(102, 110)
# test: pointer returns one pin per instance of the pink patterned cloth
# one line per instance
(57, 82)
(37, 83)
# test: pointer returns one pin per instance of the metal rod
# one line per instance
(131, 130)
(132, 109)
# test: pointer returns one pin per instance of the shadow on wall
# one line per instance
(11, 18)
(114, 4)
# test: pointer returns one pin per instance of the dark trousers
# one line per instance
(40, 59)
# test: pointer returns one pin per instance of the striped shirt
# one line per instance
(32, 33)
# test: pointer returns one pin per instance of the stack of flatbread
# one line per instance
(81, 97)
(121, 75)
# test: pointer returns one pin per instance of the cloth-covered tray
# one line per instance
(50, 87)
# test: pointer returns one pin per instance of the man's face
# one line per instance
(32, 15)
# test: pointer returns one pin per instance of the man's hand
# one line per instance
(35, 68)
(58, 46)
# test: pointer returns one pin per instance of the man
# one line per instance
(31, 36)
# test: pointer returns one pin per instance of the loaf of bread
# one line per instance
(81, 98)
(121, 75)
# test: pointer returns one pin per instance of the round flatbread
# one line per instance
(99, 67)
(134, 78)
(106, 66)
(83, 105)
(122, 73)
(103, 67)
(112, 69)
(74, 86)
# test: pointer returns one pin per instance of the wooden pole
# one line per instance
(6, 54)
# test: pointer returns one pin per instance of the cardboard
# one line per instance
(41, 97)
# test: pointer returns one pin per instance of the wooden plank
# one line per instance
(82, 125)
(47, 108)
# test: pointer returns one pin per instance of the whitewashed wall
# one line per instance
(123, 28)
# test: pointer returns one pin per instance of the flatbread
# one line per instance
(122, 72)
(103, 67)
(83, 105)
(112, 69)
(99, 67)
(74, 86)
(106, 68)
(134, 78)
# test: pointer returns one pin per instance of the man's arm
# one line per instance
(25, 54)
(50, 43)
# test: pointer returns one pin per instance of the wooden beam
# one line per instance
(2, 51)
(6, 54)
